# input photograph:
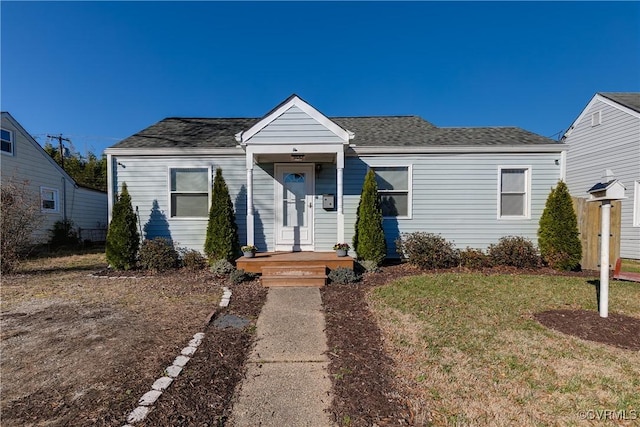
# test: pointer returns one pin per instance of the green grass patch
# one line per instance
(470, 350)
(630, 265)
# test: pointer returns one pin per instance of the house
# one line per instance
(295, 177)
(606, 135)
(23, 159)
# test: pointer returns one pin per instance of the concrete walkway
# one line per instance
(287, 381)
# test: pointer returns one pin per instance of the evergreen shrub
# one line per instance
(123, 239)
(369, 241)
(222, 240)
(558, 236)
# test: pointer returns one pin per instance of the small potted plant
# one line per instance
(249, 251)
(341, 249)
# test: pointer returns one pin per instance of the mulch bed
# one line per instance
(362, 373)
(616, 330)
(202, 393)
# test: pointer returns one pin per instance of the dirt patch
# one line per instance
(616, 330)
(81, 351)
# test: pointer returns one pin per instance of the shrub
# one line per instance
(558, 235)
(343, 276)
(238, 276)
(474, 258)
(123, 240)
(20, 216)
(427, 250)
(368, 241)
(63, 234)
(514, 251)
(222, 240)
(222, 267)
(158, 255)
(192, 259)
(369, 266)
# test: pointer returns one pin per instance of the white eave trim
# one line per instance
(244, 136)
(150, 151)
(541, 148)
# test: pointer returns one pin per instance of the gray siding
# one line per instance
(86, 208)
(326, 230)
(147, 181)
(456, 196)
(615, 145)
(294, 126)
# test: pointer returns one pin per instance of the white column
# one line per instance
(340, 195)
(110, 178)
(250, 220)
(605, 230)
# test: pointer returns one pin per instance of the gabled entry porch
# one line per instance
(296, 140)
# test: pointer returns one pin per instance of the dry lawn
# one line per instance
(80, 350)
(469, 352)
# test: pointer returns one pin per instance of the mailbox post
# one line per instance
(606, 192)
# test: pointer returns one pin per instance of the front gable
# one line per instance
(294, 121)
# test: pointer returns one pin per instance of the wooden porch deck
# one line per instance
(298, 259)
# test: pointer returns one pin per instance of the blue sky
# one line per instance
(98, 72)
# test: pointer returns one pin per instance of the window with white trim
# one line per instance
(636, 203)
(596, 118)
(189, 192)
(49, 199)
(513, 192)
(394, 189)
(6, 141)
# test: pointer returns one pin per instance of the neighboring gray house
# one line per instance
(23, 159)
(606, 135)
(295, 177)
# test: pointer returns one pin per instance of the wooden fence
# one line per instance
(588, 214)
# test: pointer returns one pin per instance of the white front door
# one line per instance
(294, 207)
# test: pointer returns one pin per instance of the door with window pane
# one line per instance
(294, 207)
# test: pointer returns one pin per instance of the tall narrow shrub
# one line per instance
(222, 240)
(558, 238)
(123, 239)
(368, 241)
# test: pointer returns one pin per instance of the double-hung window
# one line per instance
(6, 141)
(189, 192)
(513, 192)
(49, 200)
(394, 189)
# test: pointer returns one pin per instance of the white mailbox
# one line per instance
(610, 190)
(606, 192)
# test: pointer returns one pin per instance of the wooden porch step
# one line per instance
(294, 275)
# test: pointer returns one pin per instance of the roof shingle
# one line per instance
(175, 132)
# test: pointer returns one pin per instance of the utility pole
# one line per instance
(61, 147)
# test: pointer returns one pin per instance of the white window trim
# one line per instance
(596, 118)
(409, 189)
(13, 143)
(636, 203)
(527, 186)
(56, 200)
(209, 188)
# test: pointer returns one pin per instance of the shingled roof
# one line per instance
(628, 99)
(175, 132)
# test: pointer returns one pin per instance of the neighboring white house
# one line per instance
(23, 159)
(295, 177)
(606, 135)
